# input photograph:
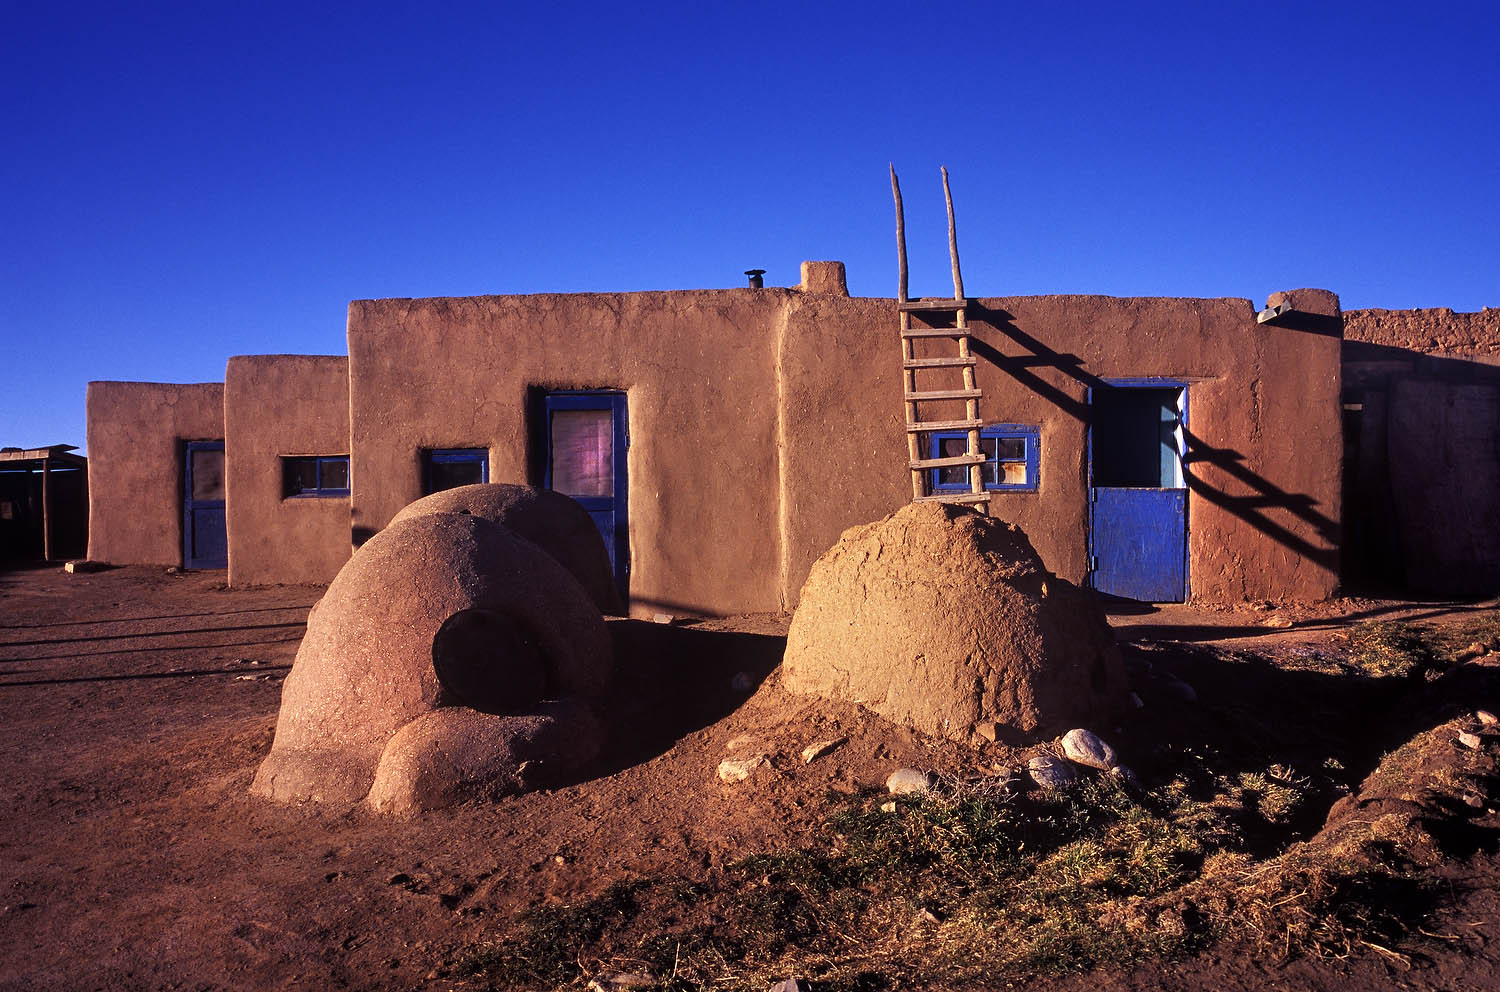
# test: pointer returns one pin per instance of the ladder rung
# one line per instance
(936, 332)
(938, 363)
(915, 306)
(954, 498)
(947, 462)
(944, 425)
(944, 394)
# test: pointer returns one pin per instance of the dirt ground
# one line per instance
(137, 705)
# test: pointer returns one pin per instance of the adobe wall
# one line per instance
(277, 406)
(699, 372)
(765, 422)
(1264, 503)
(1422, 410)
(135, 436)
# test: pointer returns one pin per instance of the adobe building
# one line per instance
(1161, 449)
(1422, 450)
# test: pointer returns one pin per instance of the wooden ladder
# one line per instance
(934, 311)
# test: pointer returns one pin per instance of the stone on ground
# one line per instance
(944, 619)
(1084, 747)
(909, 782)
(739, 769)
(1051, 772)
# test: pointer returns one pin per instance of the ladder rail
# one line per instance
(916, 429)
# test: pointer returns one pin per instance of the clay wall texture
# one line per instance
(135, 436)
(278, 406)
(1422, 461)
(1263, 478)
(699, 372)
(765, 422)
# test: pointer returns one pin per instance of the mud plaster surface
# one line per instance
(942, 619)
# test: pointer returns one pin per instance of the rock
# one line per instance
(1486, 718)
(739, 769)
(661, 618)
(909, 781)
(742, 682)
(1137, 701)
(1278, 621)
(619, 981)
(1471, 741)
(987, 729)
(1085, 747)
(790, 985)
(1126, 777)
(1474, 650)
(1051, 772)
(934, 618)
(1474, 800)
(813, 752)
(1176, 688)
(1004, 778)
(739, 742)
(887, 807)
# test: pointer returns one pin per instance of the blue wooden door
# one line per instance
(205, 539)
(587, 437)
(1138, 495)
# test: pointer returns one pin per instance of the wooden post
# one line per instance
(958, 279)
(46, 509)
(900, 237)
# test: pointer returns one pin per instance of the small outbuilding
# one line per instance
(44, 500)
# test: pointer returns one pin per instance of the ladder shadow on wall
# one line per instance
(1252, 507)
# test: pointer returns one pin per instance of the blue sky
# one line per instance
(187, 182)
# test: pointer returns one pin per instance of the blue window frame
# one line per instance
(1012, 458)
(449, 468)
(315, 476)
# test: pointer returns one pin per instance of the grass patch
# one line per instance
(976, 885)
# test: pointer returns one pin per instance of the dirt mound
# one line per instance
(947, 620)
(550, 520)
(437, 610)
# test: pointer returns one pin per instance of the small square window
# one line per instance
(449, 468)
(1012, 455)
(315, 476)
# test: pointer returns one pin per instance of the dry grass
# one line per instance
(975, 883)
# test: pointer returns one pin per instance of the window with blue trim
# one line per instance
(1012, 455)
(324, 476)
(449, 468)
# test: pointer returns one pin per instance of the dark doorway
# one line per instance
(1138, 493)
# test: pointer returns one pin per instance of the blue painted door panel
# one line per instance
(205, 538)
(587, 438)
(1140, 543)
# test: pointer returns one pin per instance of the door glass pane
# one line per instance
(583, 452)
(208, 474)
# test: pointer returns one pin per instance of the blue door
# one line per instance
(1138, 493)
(586, 441)
(205, 539)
